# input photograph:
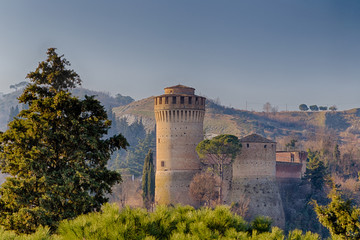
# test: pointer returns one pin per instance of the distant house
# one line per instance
(290, 165)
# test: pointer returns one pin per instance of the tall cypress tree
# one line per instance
(148, 180)
(55, 152)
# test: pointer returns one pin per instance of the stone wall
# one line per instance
(254, 177)
(290, 164)
(288, 170)
(264, 196)
(256, 160)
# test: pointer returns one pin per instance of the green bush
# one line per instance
(173, 223)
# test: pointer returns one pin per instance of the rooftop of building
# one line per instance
(179, 89)
(256, 138)
(179, 86)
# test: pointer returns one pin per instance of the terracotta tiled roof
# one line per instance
(256, 138)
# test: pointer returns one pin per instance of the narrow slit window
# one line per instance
(182, 100)
(162, 164)
(190, 100)
(174, 100)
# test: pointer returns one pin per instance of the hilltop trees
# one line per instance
(55, 152)
(314, 108)
(303, 107)
(333, 108)
(219, 152)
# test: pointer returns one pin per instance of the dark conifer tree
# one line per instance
(148, 180)
(55, 152)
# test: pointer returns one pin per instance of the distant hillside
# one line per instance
(142, 109)
(10, 100)
(6, 102)
(220, 119)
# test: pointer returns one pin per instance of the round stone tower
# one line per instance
(179, 115)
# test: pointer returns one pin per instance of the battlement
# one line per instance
(179, 97)
(179, 116)
(175, 101)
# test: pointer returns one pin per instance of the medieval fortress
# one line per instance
(179, 115)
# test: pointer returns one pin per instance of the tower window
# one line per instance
(166, 100)
(158, 140)
(162, 164)
(247, 145)
(196, 100)
(264, 146)
(160, 100)
(190, 100)
(174, 100)
(182, 100)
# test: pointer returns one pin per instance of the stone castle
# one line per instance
(179, 115)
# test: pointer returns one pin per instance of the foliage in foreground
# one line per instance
(181, 222)
(340, 216)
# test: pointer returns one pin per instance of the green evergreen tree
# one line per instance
(148, 180)
(316, 172)
(55, 152)
(136, 155)
(219, 152)
(340, 216)
(335, 166)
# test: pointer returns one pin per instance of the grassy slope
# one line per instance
(219, 119)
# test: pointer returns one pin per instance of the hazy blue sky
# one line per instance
(285, 52)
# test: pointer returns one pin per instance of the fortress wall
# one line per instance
(290, 164)
(255, 160)
(254, 177)
(288, 170)
(264, 196)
